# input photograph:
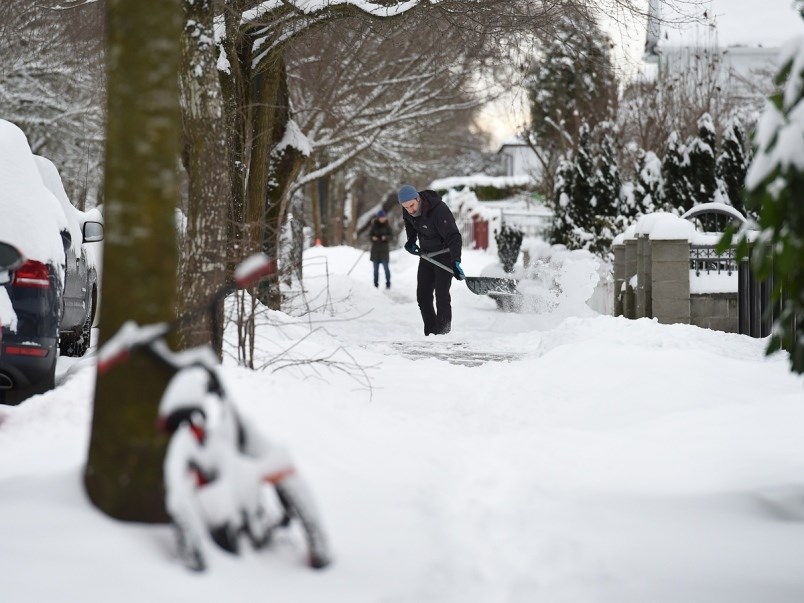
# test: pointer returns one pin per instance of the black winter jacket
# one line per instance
(435, 227)
(380, 235)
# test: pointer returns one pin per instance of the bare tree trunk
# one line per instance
(297, 239)
(235, 102)
(315, 210)
(203, 262)
(273, 169)
(335, 206)
(354, 196)
(265, 86)
(123, 475)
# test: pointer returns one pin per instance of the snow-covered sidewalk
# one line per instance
(587, 459)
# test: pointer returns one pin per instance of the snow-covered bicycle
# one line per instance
(223, 479)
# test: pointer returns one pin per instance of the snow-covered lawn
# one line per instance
(609, 461)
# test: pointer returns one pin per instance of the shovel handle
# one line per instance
(437, 263)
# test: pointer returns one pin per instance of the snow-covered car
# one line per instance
(81, 283)
(31, 222)
(34, 290)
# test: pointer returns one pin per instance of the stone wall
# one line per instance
(718, 311)
(662, 290)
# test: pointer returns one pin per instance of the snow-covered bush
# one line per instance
(509, 240)
(701, 170)
(676, 193)
(732, 163)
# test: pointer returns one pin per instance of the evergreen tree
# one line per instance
(606, 183)
(649, 185)
(605, 200)
(574, 81)
(675, 191)
(582, 208)
(775, 189)
(561, 201)
(701, 153)
(732, 163)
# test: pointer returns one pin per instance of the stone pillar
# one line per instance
(639, 294)
(619, 278)
(648, 275)
(670, 267)
(629, 301)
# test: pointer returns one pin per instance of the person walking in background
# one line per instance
(380, 234)
(428, 219)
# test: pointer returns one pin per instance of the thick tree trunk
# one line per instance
(271, 169)
(265, 86)
(286, 161)
(123, 475)
(203, 262)
(236, 103)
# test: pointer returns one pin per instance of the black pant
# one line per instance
(432, 279)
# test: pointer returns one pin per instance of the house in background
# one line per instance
(519, 159)
(741, 38)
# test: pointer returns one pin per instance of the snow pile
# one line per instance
(470, 182)
(556, 281)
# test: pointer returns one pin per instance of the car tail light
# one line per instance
(26, 350)
(32, 274)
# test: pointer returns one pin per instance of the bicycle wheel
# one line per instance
(297, 501)
(181, 502)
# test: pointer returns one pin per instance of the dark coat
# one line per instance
(435, 227)
(380, 235)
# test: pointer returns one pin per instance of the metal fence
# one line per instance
(536, 225)
(704, 258)
(476, 233)
(758, 311)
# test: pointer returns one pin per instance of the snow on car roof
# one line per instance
(52, 181)
(30, 216)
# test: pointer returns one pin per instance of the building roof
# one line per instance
(726, 23)
(512, 141)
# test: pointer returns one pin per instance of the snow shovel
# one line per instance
(479, 285)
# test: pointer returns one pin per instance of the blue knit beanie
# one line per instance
(407, 193)
(381, 213)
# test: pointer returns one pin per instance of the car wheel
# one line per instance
(77, 344)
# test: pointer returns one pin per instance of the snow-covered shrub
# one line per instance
(509, 240)
(676, 192)
(701, 166)
(732, 163)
